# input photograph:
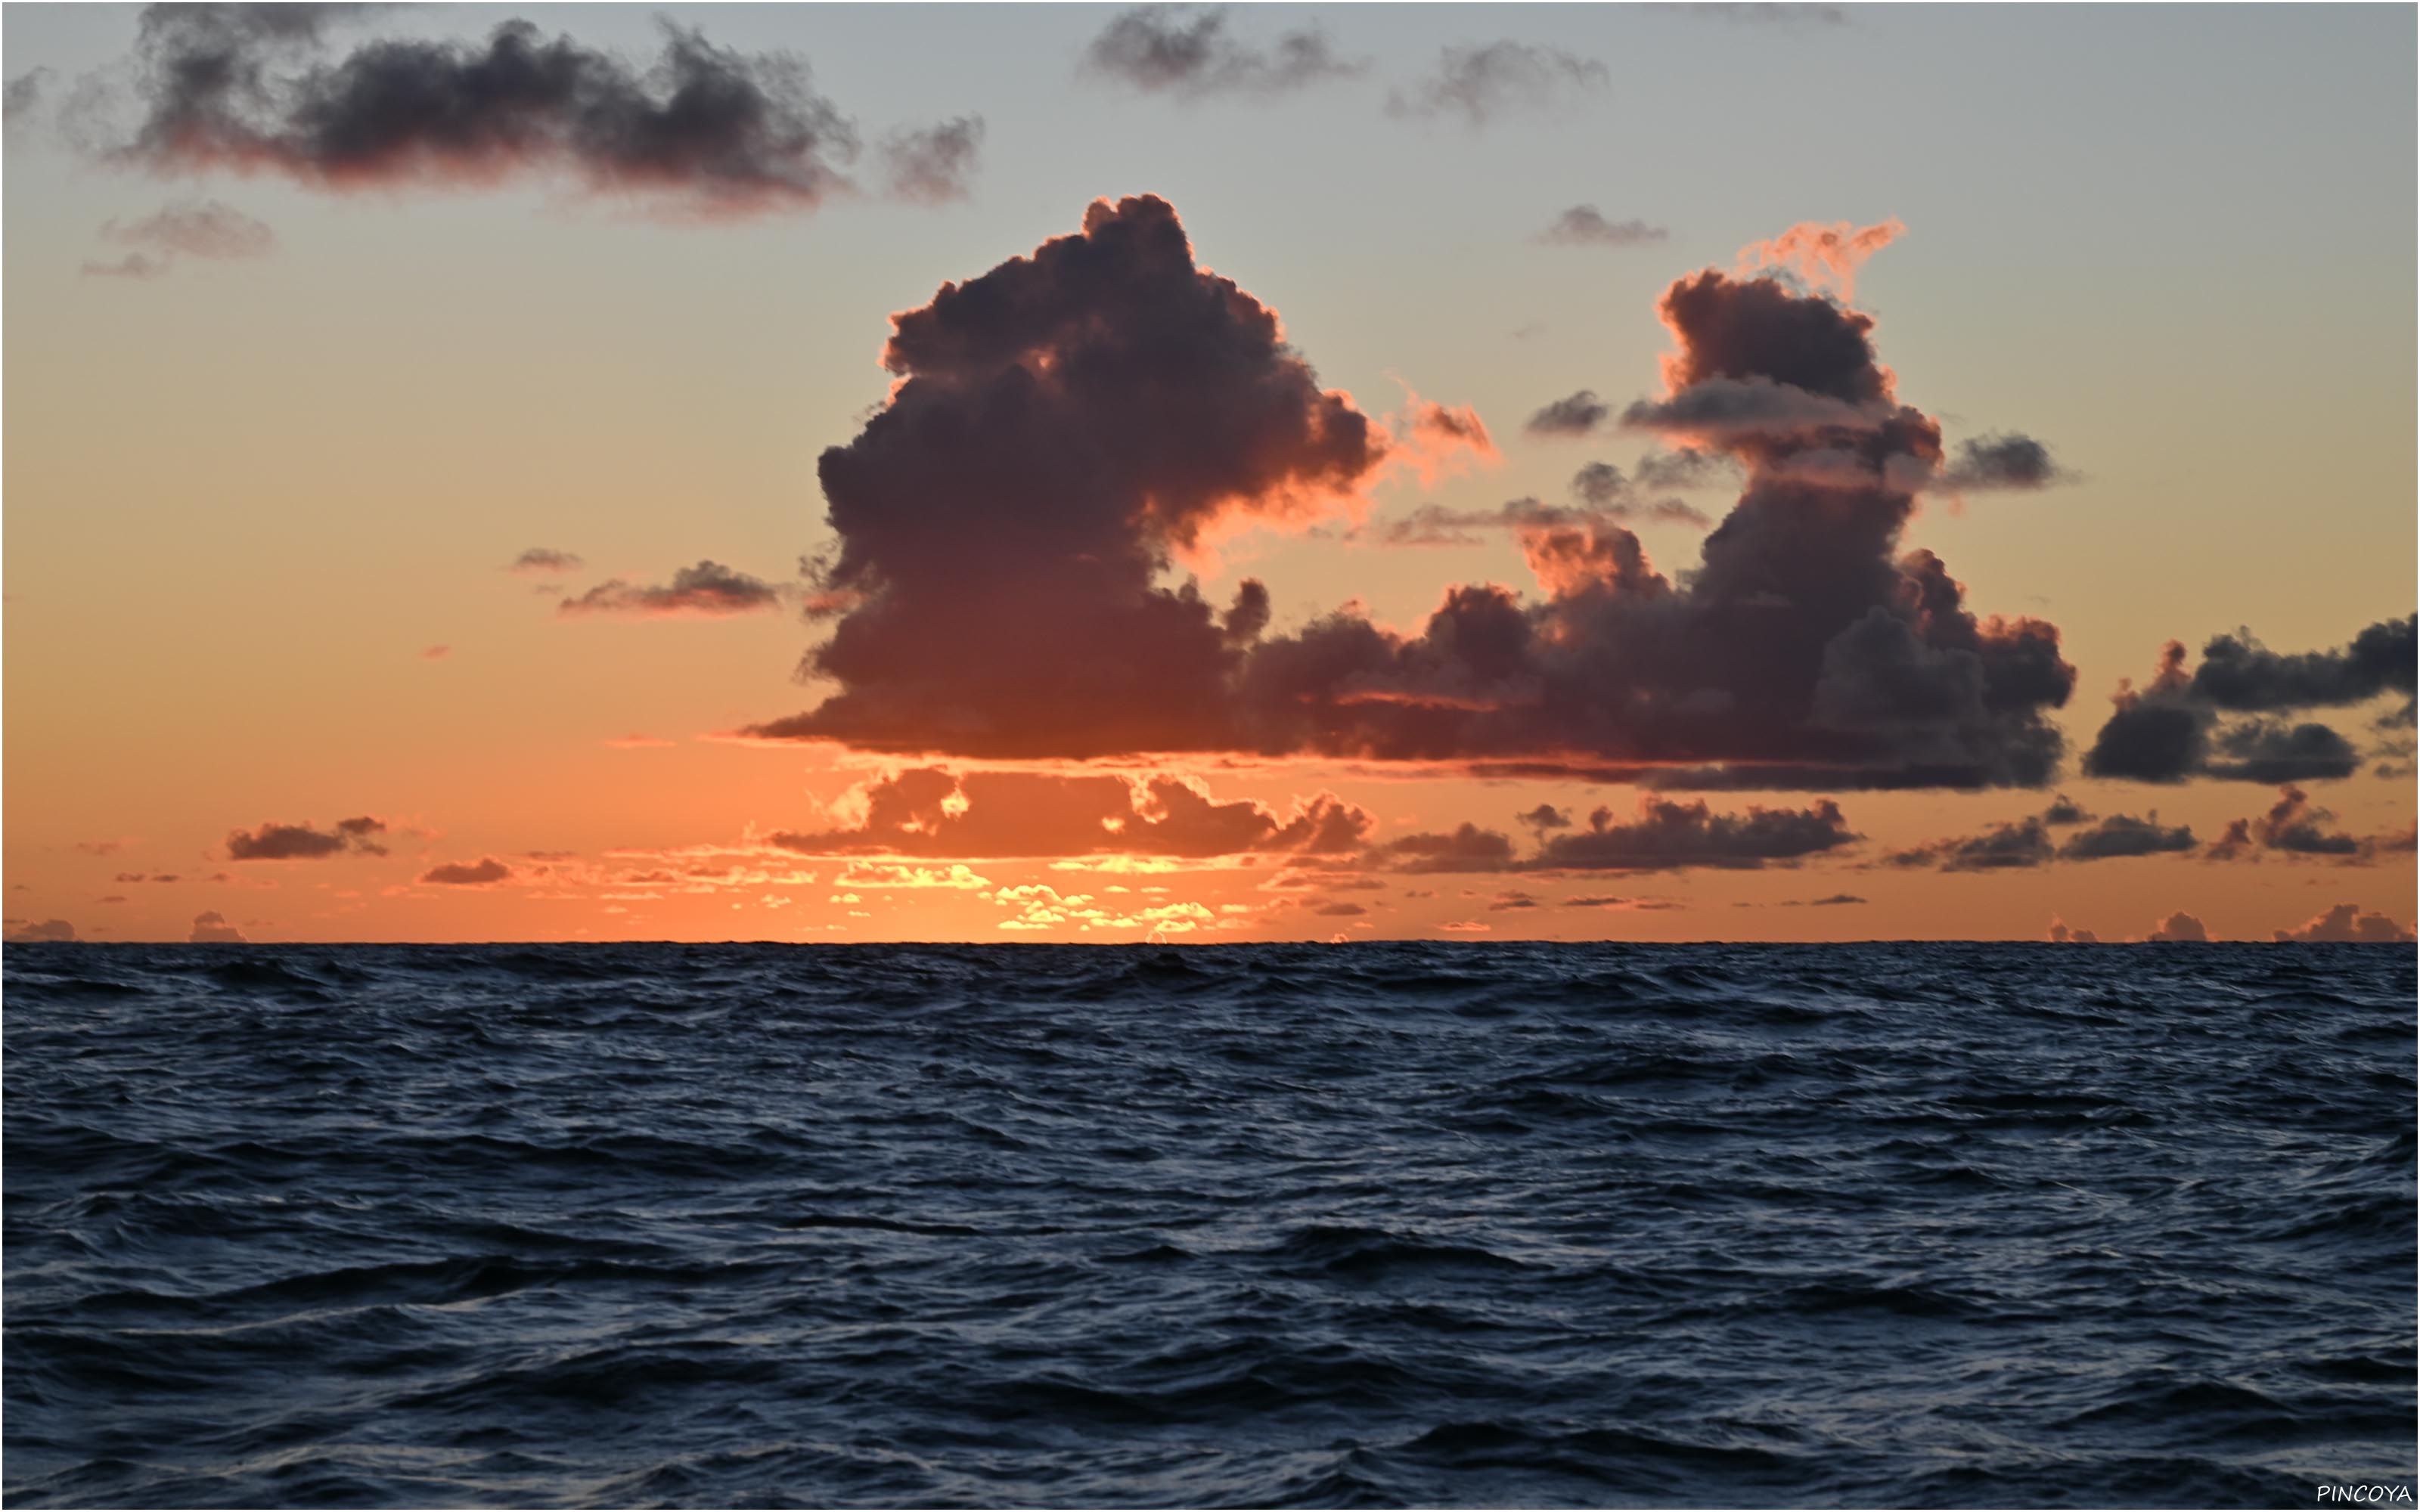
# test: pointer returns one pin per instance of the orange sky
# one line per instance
(411, 548)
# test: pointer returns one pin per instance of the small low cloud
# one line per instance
(1188, 53)
(276, 842)
(2178, 928)
(544, 560)
(1574, 414)
(1584, 225)
(932, 165)
(479, 873)
(709, 588)
(48, 932)
(211, 928)
(2000, 461)
(2345, 924)
(1476, 84)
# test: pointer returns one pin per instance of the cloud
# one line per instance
(931, 165)
(2021, 843)
(20, 94)
(1584, 225)
(2000, 461)
(544, 560)
(2178, 928)
(1067, 425)
(274, 842)
(1060, 427)
(1574, 414)
(1664, 837)
(708, 589)
(2172, 728)
(2060, 935)
(2125, 835)
(1186, 51)
(704, 130)
(2238, 672)
(1339, 911)
(1780, 13)
(1823, 256)
(1466, 848)
(436, 653)
(1668, 836)
(480, 873)
(1836, 900)
(133, 265)
(211, 928)
(1602, 488)
(2295, 827)
(2028, 842)
(930, 811)
(2345, 924)
(1478, 84)
(195, 229)
(49, 930)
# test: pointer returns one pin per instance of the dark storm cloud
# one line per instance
(1575, 414)
(274, 842)
(539, 558)
(2345, 924)
(2172, 728)
(2064, 810)
(2001, 461)
(709, 588)
(703, 129)
(932, 166)
(468, 874)
(1065, 425)
(1584, 225)
(1188, 51)
(930, 811)
(1476, 84)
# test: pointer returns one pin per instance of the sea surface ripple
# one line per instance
(1265, 1225)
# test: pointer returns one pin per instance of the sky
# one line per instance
(915, 472)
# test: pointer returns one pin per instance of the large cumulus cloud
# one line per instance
(1068, 423)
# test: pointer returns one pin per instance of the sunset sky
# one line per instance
(922, 472)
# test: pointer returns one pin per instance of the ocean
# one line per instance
(1375, 1224)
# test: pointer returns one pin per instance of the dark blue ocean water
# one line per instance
(1384, 1224)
